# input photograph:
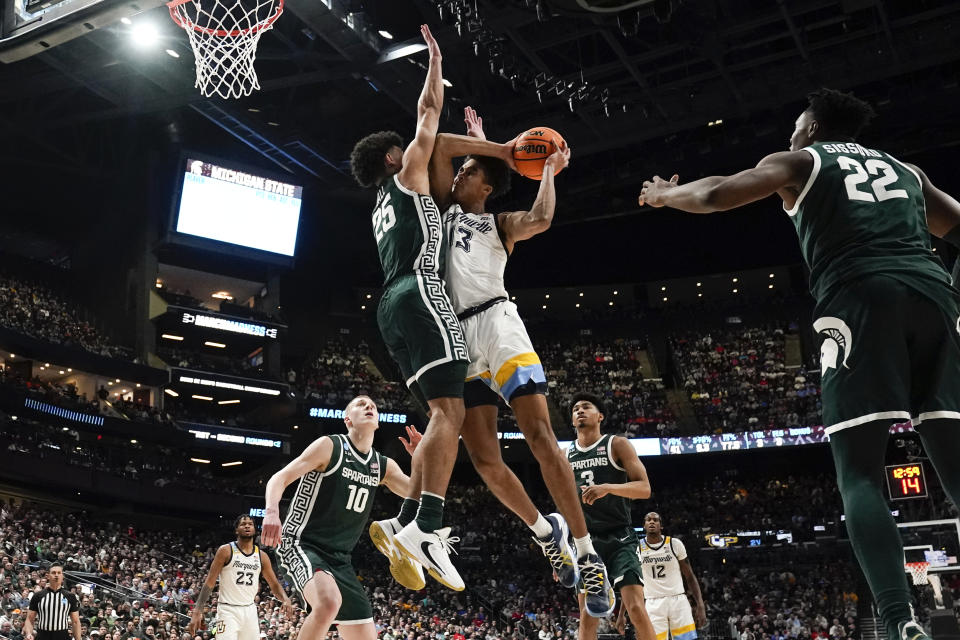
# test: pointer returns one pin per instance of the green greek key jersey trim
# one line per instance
(408, 229)
(330, 508)
(596, 465)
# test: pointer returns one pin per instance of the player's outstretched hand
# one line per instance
(559, 159)
(474, 123)
(414, 439)
(270, 531)
(654, 189)
(594, 492)
(432, 45)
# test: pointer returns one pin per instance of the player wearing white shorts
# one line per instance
(238, 565)
(665, 567)
(503, 363)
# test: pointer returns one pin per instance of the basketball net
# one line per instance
(224, 35)
(919, 571)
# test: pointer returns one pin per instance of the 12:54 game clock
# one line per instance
(906, 481)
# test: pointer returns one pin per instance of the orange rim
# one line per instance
(185, 23)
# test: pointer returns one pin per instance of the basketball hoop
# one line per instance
(224, 35)
(919, 571)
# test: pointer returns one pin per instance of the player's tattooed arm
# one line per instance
(275, 588)
(219, 561)
(693, 588)
(637, 486)
(450, 146)
(782, 173)
(315, 456)
(523, 225)
(396, 480)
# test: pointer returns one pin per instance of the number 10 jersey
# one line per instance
(331, 507)
(861, 212)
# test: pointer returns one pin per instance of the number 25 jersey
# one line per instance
(861, 212)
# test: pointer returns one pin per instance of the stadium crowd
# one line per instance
(738, 380)
(341, 371)
(37, 311)
(140, 583)
(610, 368)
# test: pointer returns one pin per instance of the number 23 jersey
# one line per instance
(240, 577)
(661, 567)
(331, 507)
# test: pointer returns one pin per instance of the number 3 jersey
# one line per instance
(661, 567)
(476, 259)
(330, 508)
(240, 577)
(595, 465)
(861, 212)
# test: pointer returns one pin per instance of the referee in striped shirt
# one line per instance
(54, 611)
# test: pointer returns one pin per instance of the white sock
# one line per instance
(541, 528)
(584, 546)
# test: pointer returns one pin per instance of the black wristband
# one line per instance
(953, 236)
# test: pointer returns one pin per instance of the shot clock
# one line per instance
(906, 481)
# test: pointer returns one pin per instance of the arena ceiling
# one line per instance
(690, 86)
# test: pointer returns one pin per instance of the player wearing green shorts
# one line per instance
(887, 313)
(418, 324)
(609, 475)
(339, 476)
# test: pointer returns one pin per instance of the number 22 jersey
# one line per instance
(861, 212)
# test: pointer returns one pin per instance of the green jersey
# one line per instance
(595, 465)
(862, 213)
(331, 507)
(409, 232)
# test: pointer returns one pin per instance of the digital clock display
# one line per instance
(906, 481)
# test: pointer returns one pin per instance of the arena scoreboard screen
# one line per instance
(906, 481)
(242, 208)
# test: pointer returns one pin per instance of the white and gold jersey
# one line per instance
(476, 258)
(240, 577)
(661, 567)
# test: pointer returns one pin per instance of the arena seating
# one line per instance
(39, 311)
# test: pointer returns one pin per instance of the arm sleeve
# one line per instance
(74, 603)
(35, 601)
(678, 548)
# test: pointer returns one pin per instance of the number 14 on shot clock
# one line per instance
(906, 481)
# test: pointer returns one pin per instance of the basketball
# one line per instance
(533, 148)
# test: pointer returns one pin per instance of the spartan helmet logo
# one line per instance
(837, 337)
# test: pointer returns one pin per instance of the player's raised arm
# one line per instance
(216, 565)
(266, 569)
(416, 157)
(315, 456)
(784, 173)
(638, 485)
(522, 225)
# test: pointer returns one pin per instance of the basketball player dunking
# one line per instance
(887, 312)
(238, 566)
(503, 363)
(609, 475)
(339, 475)
(665, 569)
